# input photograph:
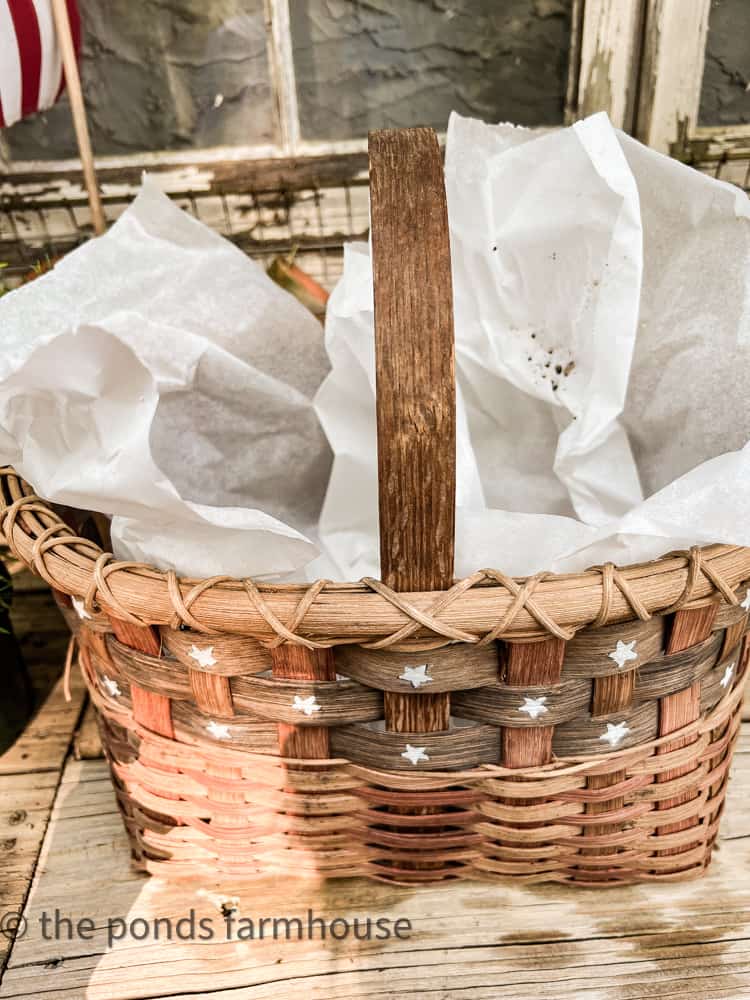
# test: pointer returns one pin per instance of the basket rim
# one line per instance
(485, 606)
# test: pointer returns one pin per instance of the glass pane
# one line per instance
(382, 63)
(725, 94)
(169, 74)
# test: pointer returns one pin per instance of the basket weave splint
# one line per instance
(573, 728)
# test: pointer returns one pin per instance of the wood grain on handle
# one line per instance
(415, 374)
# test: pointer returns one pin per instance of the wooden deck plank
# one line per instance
(43, 638)
(30, 769)
(44, 743)
(470, 940)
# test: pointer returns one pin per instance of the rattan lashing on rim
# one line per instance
(77, 566)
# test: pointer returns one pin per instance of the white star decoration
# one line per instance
(727, 675)
(416, 676)
(615, 733)
(534, 707)
(218, 730)
(746, 603)
(111, 687)
(414, 754)
(204, 657)
(623, 652)
(79, 607)
(306, 705)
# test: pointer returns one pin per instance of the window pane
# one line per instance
(380, 63)
(168, 74)
(725, 95)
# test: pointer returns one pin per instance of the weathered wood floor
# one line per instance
(59, 827)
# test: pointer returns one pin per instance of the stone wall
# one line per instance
(394, 63)
(163, 74)
(174, 74)
(725, 97)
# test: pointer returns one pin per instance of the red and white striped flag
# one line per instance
(31, 74)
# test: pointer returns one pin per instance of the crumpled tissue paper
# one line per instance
(157, 374)
(602, 320)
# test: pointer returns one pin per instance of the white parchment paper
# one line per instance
(157, 374)
(602, 317)
(601, 296)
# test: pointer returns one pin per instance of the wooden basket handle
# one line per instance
(415, 382)
(414, 358)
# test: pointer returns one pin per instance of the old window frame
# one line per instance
(639, 60)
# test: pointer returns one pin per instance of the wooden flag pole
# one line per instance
(75, 95)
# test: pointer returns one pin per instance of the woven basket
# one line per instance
(573, 728)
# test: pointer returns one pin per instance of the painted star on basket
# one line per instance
(534, 707)
(306, 705)
(727, 675)
(746, 603)
(80, 608)
(416, 676)
(219, 730)
(623, 652)
(414, 754)
(204, 657)
(615, 733)
(111, 687)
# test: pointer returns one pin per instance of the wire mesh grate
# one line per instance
(46, 215)
(49, 216)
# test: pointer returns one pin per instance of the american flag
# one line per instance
(31, 75)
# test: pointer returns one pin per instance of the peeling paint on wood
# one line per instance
(610, 55)
(672, 68)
